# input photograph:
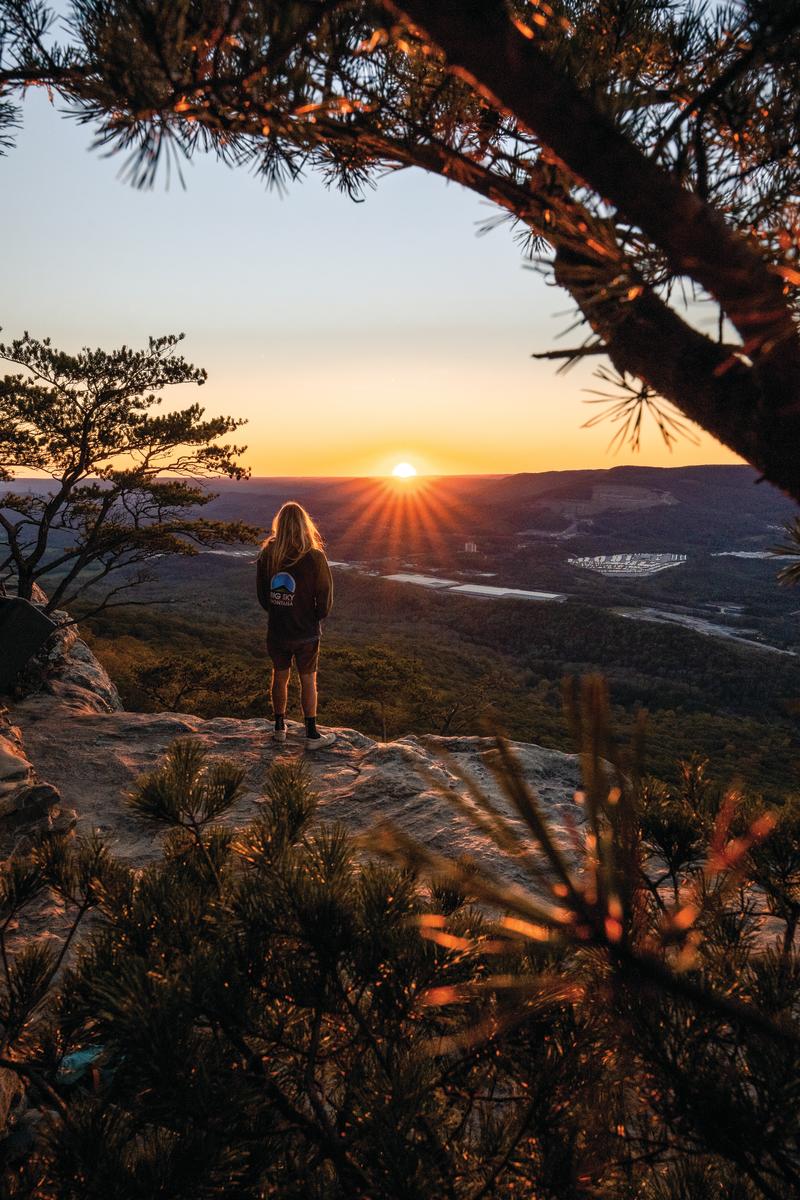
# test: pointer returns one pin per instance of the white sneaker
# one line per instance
(324, 739)
(279, 735)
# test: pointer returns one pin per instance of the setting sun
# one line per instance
(404, 470)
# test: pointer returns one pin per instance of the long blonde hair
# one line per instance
(292, 535)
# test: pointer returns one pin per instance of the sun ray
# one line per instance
(406, 517)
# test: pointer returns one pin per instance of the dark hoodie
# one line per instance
(297, 596)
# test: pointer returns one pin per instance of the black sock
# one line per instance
(280, 721)
(311, 727)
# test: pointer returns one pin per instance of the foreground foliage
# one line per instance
(268, 1012)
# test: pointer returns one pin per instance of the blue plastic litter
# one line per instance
(74, 1066)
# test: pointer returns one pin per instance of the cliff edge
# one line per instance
(71, 731)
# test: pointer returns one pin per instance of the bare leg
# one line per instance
(308, 694)
(280, 690)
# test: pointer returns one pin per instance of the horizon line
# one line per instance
(431, 475)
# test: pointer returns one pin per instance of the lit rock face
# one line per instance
(62, 678)
(27, 806)
(67, 669)
(93, 759)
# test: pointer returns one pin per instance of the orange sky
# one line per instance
(351, 336)
(459, 410)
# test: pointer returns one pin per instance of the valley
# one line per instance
(456, 609)
(704, 652)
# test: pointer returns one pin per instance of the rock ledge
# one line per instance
(93, 759)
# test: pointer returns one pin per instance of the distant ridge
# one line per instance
(718, 507)
(533, 483)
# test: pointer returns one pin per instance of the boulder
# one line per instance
(14, 766)
(24, 630)
(28, 807)
(65, 667)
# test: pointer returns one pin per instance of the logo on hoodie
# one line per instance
(282, 588)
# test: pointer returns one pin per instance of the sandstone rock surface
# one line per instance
(71, 731)
(93, 759)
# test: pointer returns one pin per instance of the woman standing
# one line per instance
(295, 587)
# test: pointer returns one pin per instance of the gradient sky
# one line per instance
(351, 336)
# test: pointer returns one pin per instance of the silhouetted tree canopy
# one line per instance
(124, 477)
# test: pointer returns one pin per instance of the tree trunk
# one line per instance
(24, 585)
(754, 409)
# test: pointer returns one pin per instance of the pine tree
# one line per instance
(124, 478)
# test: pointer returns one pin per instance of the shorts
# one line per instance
(305, 654)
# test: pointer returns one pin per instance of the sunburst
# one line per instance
(399, 515)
